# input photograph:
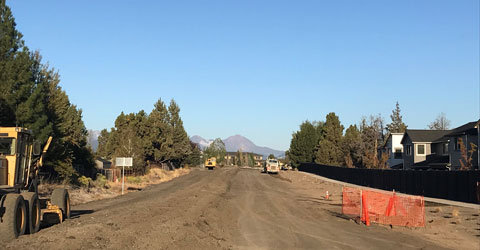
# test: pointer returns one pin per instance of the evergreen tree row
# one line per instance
(31, 97)
(244, 159)
(158, 137)
(325, 143)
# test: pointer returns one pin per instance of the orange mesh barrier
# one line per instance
(384, 207)
(351, 201)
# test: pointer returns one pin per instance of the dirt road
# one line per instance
(228, 208)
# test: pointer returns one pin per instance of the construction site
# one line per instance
(242, 208)
(239, 125)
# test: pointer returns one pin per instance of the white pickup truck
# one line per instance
(271, 166)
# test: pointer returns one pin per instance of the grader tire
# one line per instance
(61, 198)
(33, 212)
(14, 219)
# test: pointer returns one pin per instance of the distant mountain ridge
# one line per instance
(238, 142)
(200, 141)
(92, 139)
(232, 144)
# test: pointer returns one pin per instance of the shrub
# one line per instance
(84, 181)
(101, 181)
(134, 179)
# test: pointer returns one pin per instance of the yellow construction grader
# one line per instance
(21, 209)
(211, 163)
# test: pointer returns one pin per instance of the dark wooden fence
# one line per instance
(450, 185)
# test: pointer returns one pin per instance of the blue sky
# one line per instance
(260, 68)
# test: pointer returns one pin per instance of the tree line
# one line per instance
(158, 137)
(217, 149)
(31, 97)
(325, 142)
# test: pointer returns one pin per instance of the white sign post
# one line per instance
(123, 162)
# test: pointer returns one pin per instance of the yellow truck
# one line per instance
(21, 209)
(211, 163)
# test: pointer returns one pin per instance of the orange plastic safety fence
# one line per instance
(351, 201)
(384, 207)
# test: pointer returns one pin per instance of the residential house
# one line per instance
(230, 158)
(425, 148)
(440, 149)
(258, 160)
(467, 133)
(393, 146)
(101, 163)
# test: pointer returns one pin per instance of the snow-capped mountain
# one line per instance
(200, 141)
(238, 142)
(92, 139)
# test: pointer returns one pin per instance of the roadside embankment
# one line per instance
(102, 189)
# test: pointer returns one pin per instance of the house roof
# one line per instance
(466, 129)
(102, 160)
(424, 135)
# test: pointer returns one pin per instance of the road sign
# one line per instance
(123, 161)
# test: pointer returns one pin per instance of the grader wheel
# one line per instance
(14, 218)
(33, 212)
(61, 198)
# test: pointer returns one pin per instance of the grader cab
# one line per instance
(211, 163)
(21, 209)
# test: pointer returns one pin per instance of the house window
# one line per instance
(421, 149)
(397, 154)
(408, 150)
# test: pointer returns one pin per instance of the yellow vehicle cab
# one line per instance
(211, 163)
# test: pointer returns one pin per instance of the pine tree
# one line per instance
(251, 160)
(303, 143)
(239, 157)
(161, 134)
(371, 139)
(352, 146)
(128, 139)
(15, 62)
(181, 142)
(194, 159)
(329, 150)
(397, 125)
(68, 131)
(217, 150)
(31, 98)
(104, 149)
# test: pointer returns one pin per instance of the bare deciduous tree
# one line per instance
(372, 133)
(440, 123)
